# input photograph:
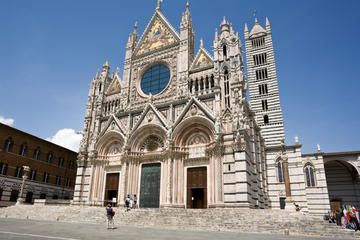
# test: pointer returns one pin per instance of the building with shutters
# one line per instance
(52, 168)
(178, 130)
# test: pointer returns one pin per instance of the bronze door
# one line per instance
(150, 185)
(197, 187)
(111, 187)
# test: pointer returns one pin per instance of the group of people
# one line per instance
(130, 203)
(347, 216)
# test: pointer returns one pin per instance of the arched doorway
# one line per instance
(343, 183)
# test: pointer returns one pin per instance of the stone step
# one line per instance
(236, 220)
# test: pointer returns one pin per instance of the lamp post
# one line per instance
(21, 199)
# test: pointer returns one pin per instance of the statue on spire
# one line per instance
(158, 5)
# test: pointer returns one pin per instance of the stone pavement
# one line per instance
(19, 229)
(214, 220)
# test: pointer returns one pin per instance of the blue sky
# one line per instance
(50, 51)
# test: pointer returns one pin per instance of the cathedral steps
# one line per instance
(235, 220)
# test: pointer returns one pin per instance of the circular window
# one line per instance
(155, 79)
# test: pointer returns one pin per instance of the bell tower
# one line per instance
(263, 84)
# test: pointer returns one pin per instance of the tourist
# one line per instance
(110, 216)
(127, 202)
(135, 201)
(338, 217)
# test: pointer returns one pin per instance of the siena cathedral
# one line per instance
(181, 129)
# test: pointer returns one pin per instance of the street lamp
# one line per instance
(21, 199)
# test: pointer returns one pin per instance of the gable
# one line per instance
(150, 116)
(203, 60)
(195, 108)
(113, 124)
(114, 87)
(158, 34)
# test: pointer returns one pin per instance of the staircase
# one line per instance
(235, 220)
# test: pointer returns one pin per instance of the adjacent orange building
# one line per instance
(52, 168)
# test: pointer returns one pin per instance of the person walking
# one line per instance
(135, 201)
(110, 216)
(127, 202)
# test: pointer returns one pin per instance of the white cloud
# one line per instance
(67, 138)
(7, 121)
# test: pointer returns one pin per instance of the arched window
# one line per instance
(280, 171)
(310, 175)
(36, 155)
(266, 119)
(23, 149)
(49, 157)
(224, 51)
(9, 143)
(227, 88)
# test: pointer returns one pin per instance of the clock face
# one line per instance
(155, 79)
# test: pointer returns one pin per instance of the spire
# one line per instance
(231, 28)
(216, 34)
(255, 18)
(106, 66)
(97, 74)
(187, 6)
(158, 8)
(224, 26)
(246, 29)
(267, 22)
(135, 27)
(224, 21)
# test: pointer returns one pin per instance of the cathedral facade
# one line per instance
(178, 130)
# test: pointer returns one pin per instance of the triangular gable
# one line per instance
(114, 86)
(158, 34)
(193, 108)
(202, 60)
(150, 115)
(113, 124)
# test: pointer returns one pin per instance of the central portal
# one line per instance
(150, 185)
(196, 187)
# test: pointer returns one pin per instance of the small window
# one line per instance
(46, 177)
(264, 105)
(261, 74)
(33, 175)
(23, 150)
(9, 143)
(19, 172)
(68, 182)
(263, 89)
(260, 59)
(61, 162)
(224, 51)
(310, 175)
(258, 42)
(36, 155)
(280, 170)
(3, 168)
(57, 180)
(49, 157)
(266, 119)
